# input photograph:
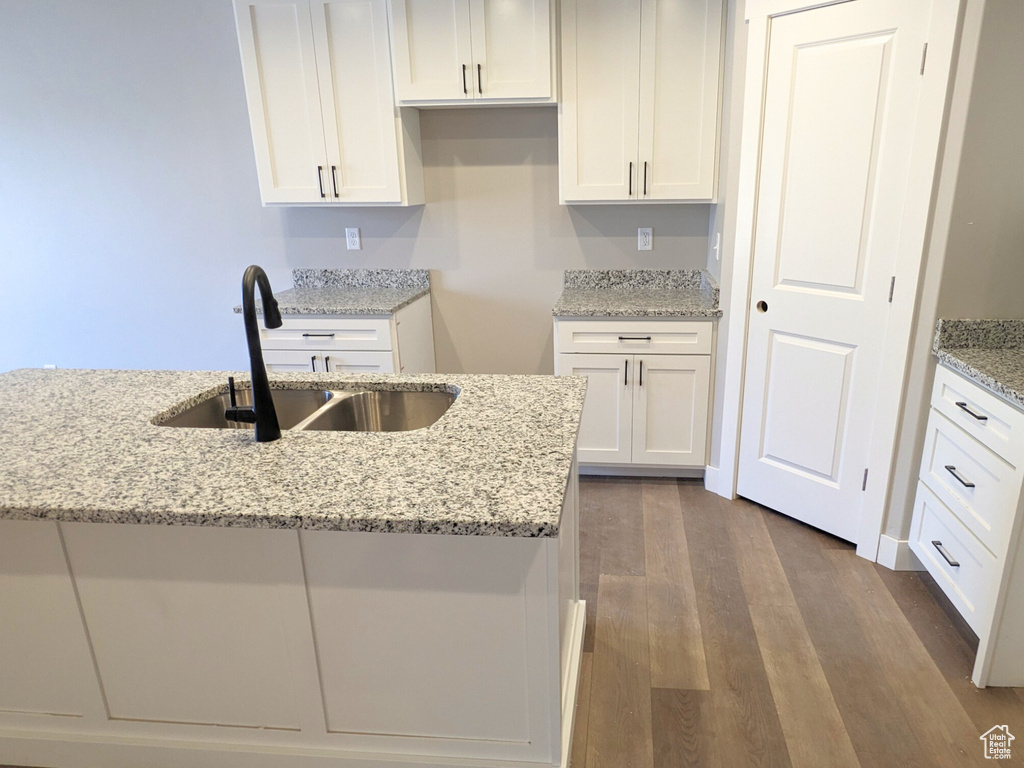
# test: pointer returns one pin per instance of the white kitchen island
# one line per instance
(176, 597)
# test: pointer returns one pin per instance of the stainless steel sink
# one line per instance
(292, 406)
(380, 411)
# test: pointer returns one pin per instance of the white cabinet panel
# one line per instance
(432, 50)
(632, 336)
(511, 48)
(640, 83)
(279, 62)
(670, 409)
(332, 361)
(606, 424)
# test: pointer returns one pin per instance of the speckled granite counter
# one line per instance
(638, 293)
(350, 291)
(989, 352)
(81, 446)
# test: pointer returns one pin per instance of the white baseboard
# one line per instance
(638, 470)
(896, 555)
(711, 479)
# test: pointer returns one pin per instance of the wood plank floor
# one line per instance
(720, 633)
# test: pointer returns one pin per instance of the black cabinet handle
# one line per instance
(630, 178)
(320, 176)
(641, 373)
(963, 481)
(945, 555)
(625, 376)
(464, 80)
(334, 179)
(645, 178)
(479, 80)
(327, 363)
(963, 407)
(312, 363)
(319, 335)
(634, 338)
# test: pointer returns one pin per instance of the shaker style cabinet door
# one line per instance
(354, 66)
(670, 409)
(511, 49)
(432, 50)
(598, 127)
(279, 64)
(606, 424)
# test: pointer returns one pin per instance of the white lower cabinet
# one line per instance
(645, 409)
(400, 343)
(966, 528)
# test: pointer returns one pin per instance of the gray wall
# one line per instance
(975, 261)
(130, 206)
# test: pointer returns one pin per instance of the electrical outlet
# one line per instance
(645, 239)
(718, 246)
(50, 366)
(352, 241)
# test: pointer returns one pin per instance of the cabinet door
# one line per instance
(670, 409)
(511, 49)
(354, 65)
(598, 128)
(679, 74)
(431, 50)
(607, 411)
(279, 67)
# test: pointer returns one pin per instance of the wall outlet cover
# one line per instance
(645, 239)
(352, 241)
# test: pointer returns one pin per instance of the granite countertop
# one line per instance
(81, 445)
(350, 291)
(989, 352)
(638, 293)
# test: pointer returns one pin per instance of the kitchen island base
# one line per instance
(150, 645)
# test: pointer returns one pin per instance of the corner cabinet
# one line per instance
(400, 343)
(465, 51)
(638, 117)
(648, 386)
(318, 84)
(969, 515)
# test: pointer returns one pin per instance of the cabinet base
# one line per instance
(639, 470)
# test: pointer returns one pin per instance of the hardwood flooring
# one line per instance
(723, 634)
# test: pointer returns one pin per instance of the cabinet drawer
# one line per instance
(648, 337)
(993, 421)
(329, 361)
(980, 488)
(971, 584)
(329, 334)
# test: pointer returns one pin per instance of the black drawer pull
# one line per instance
(963, 407)
(634, 338)
(318, 335)
(641, 373)
(963, 481)
(625, 376)
(945, 555)
(312, 363)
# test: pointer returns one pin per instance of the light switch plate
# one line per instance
(644, 239)
(352, 241)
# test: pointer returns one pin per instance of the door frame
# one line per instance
(928, 133)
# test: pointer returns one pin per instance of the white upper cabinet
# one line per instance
(458, 51)
(324, 125)
(639, 113)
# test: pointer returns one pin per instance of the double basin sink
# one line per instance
(327, 410)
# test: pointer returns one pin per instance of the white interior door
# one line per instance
(511, 49)
(842, 89)
(354, 62)
(279, 66)
(680, 50)
(670, 409)
(606, 424)
(598, 123)
(431, 49)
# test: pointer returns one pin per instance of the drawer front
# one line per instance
(994, 422)
(329, 334)
(648, 337)
(980, 488)
(329, 361)
(972, 583)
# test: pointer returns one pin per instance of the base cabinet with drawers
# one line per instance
(647, 392)
(399, 343)
(967, 521)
